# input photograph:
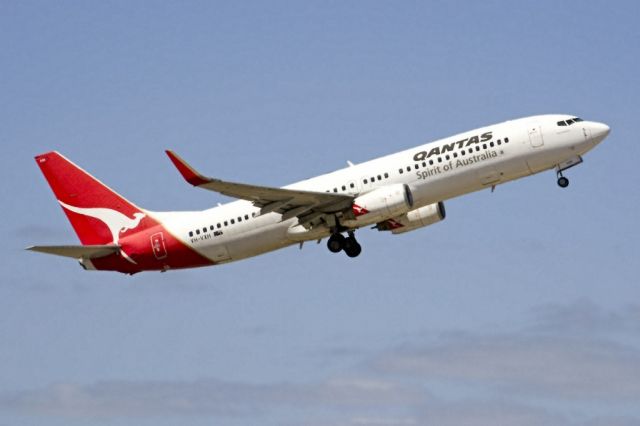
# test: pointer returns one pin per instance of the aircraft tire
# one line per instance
(563, 182)
(354, 250)
(336, 243)
(351, 247)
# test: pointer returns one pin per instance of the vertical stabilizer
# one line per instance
(97, 213)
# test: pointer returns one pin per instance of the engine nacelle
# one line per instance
(380, 204)
(424, 216)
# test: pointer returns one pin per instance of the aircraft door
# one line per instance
(158, 246)
(535, 136)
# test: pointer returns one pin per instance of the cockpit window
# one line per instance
(569, 122)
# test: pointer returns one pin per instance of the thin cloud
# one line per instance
(567, 368)
(481, 412)
(549, 358)
(584, 317)
(531, 376)
(204, 397)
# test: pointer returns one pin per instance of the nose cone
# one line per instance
(599, 131)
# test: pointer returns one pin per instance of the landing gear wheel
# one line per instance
(336, 243)
(563, 182)
(352, 249)
(351, 246)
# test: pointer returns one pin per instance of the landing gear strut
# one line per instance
(337, 242)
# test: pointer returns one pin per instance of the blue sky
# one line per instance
(520, 308)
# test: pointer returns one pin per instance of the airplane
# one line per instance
(396, 193)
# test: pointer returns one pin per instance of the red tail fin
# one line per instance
(97, 213)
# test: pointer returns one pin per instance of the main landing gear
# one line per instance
(338, 242)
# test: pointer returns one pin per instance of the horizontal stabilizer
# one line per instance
(77, 252)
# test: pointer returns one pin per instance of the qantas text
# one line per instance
(420, 156)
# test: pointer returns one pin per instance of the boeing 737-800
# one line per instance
(397, 193)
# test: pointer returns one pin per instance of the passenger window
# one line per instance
(447, 157)
(386, 175)
(365, 181)
(506, 140)
(408, 168)
(197, 232)
(379, 177)
(431, 162)
(344, 188)
(491, 144)
(424, 164)
(226, 223)
(477, 149)
(211, 228)
(484, 146)
(499, 142)
(373, 179)
(352, 185)
(439, 160)
(218, 226)
(246, 217)
(239, 218)
(191, 233)
(204, 230)
(462, 152)
(401, 171)
(455, 155)
(417, 166)
(233, 221)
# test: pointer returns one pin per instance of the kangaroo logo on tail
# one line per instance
(115, 221)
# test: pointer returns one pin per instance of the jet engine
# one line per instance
(380, 204)
(414, 219)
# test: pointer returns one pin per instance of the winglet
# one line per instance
(188, 173)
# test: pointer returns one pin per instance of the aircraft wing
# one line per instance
(77, 252)
(288, 202)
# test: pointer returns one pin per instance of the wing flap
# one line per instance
(77, 252)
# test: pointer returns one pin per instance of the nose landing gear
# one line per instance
(563, 182)
(337, 242)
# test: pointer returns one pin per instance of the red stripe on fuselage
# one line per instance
(139, 247)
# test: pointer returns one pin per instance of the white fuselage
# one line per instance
(434, 172)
